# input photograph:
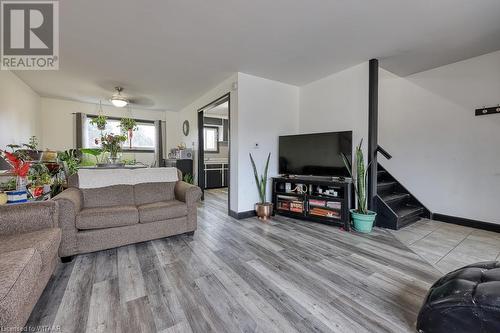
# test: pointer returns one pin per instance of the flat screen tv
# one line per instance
(315, 154)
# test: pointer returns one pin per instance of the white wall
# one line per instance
(266, 110)
(58, 124)
(446, 156)
(335, 103)
(261, 110)
(19, 110)
(190, 113)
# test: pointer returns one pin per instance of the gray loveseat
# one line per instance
(94, 219)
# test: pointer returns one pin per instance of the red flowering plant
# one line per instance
(19, 167)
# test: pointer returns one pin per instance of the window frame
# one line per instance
(217, 150)
(126, 148)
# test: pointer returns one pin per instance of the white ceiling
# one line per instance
(167, 52)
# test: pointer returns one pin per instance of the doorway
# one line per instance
(214, 149)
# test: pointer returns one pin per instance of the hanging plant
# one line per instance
(128, 125)
(100, 122)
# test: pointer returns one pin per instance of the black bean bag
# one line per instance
(464, 301)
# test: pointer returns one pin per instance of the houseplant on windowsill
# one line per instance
(363, 218)
(263, 209)
(128, 126)
(112, 144)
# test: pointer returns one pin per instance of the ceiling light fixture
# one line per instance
(117, 99)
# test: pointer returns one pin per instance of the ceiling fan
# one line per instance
(118, 99)
(121, 100)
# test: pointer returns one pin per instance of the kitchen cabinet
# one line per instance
(216, 175)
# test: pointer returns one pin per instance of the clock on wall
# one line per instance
(185, 127)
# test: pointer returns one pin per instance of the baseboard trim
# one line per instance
(242, 215)
(466, 222)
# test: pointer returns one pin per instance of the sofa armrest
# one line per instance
(70, 204)
(28, 217)
(187, 193)
(71, 196)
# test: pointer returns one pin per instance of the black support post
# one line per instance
(372, 131)
(201, 154)
(79, 130)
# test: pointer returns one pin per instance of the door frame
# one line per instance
(201, 144)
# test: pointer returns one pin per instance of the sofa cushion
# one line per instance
(106, 217)
(116, 195)
(45, 241)
(146, 193)
(19, 272)
(161, 211)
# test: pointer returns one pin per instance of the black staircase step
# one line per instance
(386, 183)
(408, 214)
(381, 174)
(385, 186)
(396, 206)
(394, 197)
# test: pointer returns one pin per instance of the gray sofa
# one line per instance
(29, 241)
(94, 219)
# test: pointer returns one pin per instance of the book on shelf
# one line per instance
(324, 212)
(297, 207)
(316, 202)
(334, 204)
(284, 205)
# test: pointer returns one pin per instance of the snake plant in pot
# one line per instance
(362, 218)
(263, 209)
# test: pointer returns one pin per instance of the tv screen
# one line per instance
(315, 154)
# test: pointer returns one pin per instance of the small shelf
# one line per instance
(317, 207)
(291, 194)
(325, 197)
(325, 213)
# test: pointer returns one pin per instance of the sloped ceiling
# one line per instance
(167, 53)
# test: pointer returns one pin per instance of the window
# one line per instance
(144, 138)
(211, 139)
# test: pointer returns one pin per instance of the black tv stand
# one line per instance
(319, 199)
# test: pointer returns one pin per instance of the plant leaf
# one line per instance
(255, 173)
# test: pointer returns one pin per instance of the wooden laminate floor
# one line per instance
(241, 275)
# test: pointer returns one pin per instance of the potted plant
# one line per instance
(20, 169)
(263, 208)
(100, 122)
(363, 218)
(188, 178)
(128, 125)
(40, 180)
(69, 159)
(30, 151)
(96, 152)
(112, 144)
(5, 188)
